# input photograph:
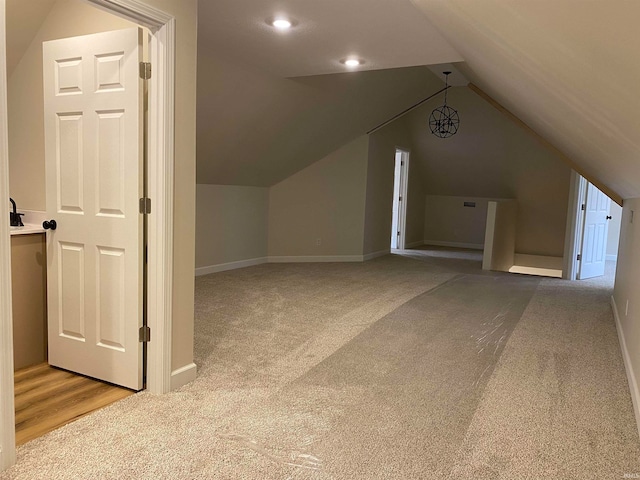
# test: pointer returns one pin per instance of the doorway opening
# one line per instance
(92, 262)
(593, 232)
(400, 188)
(161, 109)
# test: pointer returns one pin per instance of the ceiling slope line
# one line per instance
(494, 103)
(404, 112)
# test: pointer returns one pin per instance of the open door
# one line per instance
(400, 187)
(94, 175)
(593, 250)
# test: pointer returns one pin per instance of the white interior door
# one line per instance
(93, 150)
(400, 189)
(404, 191)
(395, 231)
(594, 234)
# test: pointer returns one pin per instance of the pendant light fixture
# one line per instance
(444, 121)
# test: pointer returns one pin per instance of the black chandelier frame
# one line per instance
(444, 121)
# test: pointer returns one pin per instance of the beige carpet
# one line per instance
(417, 366)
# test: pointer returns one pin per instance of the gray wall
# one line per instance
(491, 157)
(448, 222)
(324, 202)
(625, 293)
(415, 206)
(613, 234)
(231, 224)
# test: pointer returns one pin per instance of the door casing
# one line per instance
(161, 136)
(400, 206)
(573, 232)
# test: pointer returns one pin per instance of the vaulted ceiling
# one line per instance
(270, 103)
(567, 68)
(26, 18)
(257, 129)
(386, 33)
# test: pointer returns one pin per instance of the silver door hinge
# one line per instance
(579, 257)
(145, 70)
(584, 206)
(400, 199)
(145, 334)
(402, 163)
(145, 206)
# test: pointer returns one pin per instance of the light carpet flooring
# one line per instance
(413, 366)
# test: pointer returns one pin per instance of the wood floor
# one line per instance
(47, 398)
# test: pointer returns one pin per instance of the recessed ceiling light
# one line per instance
(352, 62)
(281, 23)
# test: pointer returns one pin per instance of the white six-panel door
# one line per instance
(93, 150)
(594, 237)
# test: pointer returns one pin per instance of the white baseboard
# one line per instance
(631, 377)
(182, 376)
(230, 266)
(438, 243)
(371, 256)
(611, 258)
(315, 258)
(288, 259)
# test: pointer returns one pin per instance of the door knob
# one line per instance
(608, 217)
(49, 224)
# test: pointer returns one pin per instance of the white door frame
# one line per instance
(160, 179)
(7, 413)
(402, 205)
(573, 231)
(395, 214)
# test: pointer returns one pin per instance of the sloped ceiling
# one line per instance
(26, 17)
(483, 158)
(569, 69)
(385, 33)
(271, 103)
(257, 129)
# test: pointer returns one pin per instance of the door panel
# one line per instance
(93, 150)
(594, 240)
(71, 314)
(111, 167)
(111, 314)
(69, 162)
